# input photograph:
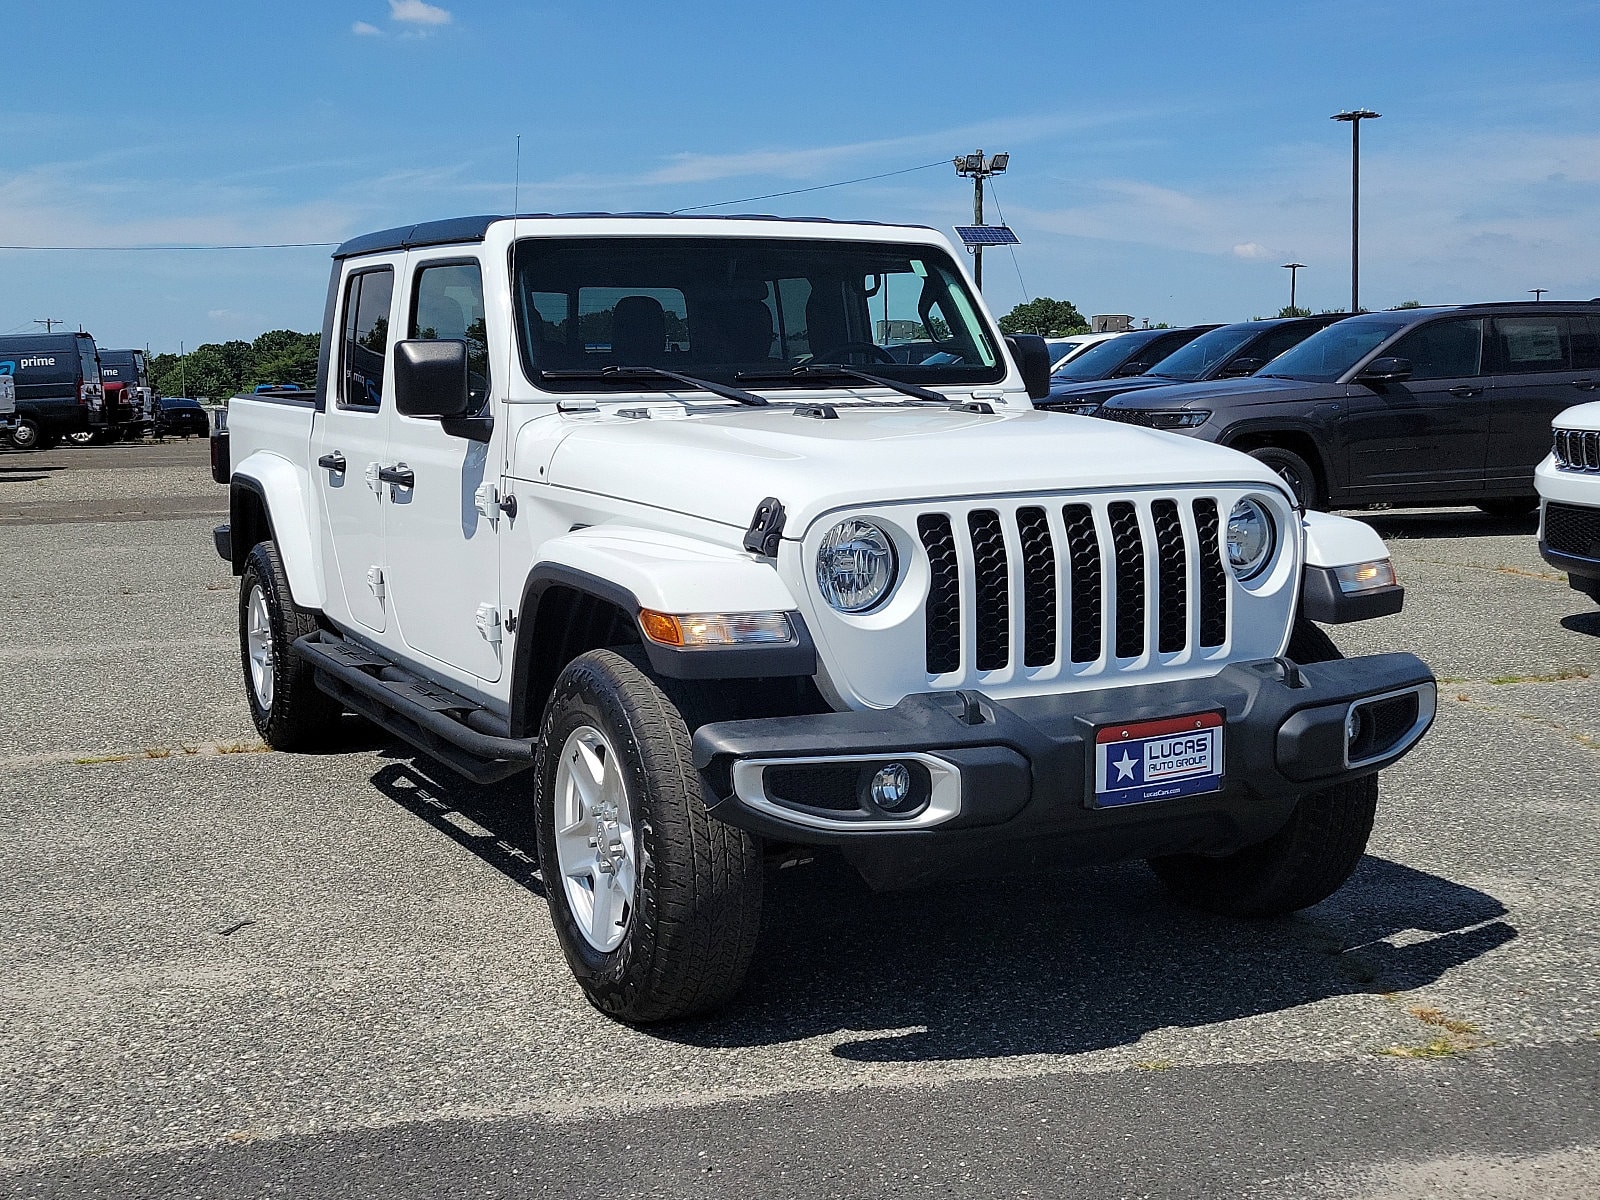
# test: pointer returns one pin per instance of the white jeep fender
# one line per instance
(1340, 541)
(668, 572)
(283, 488)
(1335, 542)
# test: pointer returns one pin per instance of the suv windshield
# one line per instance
(1102, 359)
(1327, 354)
(1206, 351)
(719, 308)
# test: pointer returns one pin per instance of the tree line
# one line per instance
(221, 369)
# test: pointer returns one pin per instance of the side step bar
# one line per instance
(431, 718)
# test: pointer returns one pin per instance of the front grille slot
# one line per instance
(1022, 592)
(1213, 575)
(1572, 529)
(1172, 578)
(1083, 553)
(943, 613)
(1038, 588)
(1577, 449)
(1127, 544)
(992, 590)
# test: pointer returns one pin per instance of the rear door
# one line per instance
(441, 552)
(349, 443)
(1427, 436)
(1543, 363)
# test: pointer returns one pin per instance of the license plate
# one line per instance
(1157, 760)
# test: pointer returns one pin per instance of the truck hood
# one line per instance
(721, 464)
(1252, 389)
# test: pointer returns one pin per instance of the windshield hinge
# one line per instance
(766, 528)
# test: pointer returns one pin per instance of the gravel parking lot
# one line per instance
(232, 972)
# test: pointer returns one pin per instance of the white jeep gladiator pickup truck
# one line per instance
(642, 505)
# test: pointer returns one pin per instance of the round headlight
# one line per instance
(855, 566)
(1251, 538)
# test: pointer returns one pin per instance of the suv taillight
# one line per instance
(83, 392)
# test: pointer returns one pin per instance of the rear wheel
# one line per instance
(289, 711)
(1294, 471)
(655, 903)
(1302, 864)
(83, 437)
(26, 435)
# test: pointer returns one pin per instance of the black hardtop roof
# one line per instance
(473, 229)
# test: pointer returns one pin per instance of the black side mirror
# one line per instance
(1243, 366)
(1033, 360)
(430, 378)
(1385, 370)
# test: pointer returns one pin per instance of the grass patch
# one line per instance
(1155, 1064)
(1459, 1036)
(92, 759)
(1553, 677)
(158, 752)
(1438, 1048)
(256, 747)
(1433, 1016)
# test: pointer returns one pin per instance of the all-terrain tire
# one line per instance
(1294, 471)
(1302, 864)
(695, 907)
(289, 711)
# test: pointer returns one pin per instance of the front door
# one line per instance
(1543, 364)
(349, 447)
(442, 547)
(1427, 436)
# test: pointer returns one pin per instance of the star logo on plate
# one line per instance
(1124, 766)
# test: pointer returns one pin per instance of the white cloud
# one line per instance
(418, 12)
(362, 29)
(1251, 250)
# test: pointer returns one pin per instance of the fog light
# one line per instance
(891, 787)
(1352, 727)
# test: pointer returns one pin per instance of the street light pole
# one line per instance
(1294, 271)
(1354, 118)
(978, 168)
(1538, 293)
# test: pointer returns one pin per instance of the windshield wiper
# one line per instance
(830, 371)
(615, 374)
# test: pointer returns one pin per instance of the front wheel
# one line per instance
(26, 435)
(655, 903)
(1302, 864)
(1294, 471)
(289, 711)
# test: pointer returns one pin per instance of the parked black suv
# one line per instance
(1226, 352)
(1427, 406)
(1132, 354)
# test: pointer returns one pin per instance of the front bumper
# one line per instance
(1011, 783)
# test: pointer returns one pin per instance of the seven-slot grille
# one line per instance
(1072, 580)
(1578, 449)
(1572, 529)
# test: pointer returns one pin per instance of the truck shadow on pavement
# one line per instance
(1445, 523)
(1075, 962)
(1584, 622)
(1059, 964)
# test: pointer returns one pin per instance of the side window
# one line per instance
(1530, 344)
(366, 337)
(447, 304)
(1450, 349)
(1585, 343)
(1283, 338)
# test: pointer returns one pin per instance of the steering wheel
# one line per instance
(871, 348)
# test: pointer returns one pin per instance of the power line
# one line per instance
(1014, 261)
(821, 187)
(253, 246)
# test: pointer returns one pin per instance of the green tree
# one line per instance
(1294, 310)
(221, 369)
(1409, 304)
(1050, 318)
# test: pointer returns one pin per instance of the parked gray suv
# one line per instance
(1429, 406)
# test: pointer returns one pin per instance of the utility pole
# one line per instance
(183, 377)
(49, 323)
(1354, 119)
(977, 168)
(1538, 293)
(1294, 271)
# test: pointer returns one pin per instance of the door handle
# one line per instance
(1585, 385)
(1462, 389)
(400, 475)
(332, 462)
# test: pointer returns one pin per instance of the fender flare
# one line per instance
(281, 487)
(1333, 542)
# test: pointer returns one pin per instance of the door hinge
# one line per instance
(487, 501)
(489, 623)
(375, 581)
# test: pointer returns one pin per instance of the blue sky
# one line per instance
(1166, 158)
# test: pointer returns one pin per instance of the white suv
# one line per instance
(1569, 499)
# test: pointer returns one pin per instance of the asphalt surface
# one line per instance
(227, 972)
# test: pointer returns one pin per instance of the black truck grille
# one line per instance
(1029, 584)
(1572, 529)
(1578, 449)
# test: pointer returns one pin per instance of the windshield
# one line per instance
(1327, 354)
(1208, 350)
(719, 308)
(1101, 359)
